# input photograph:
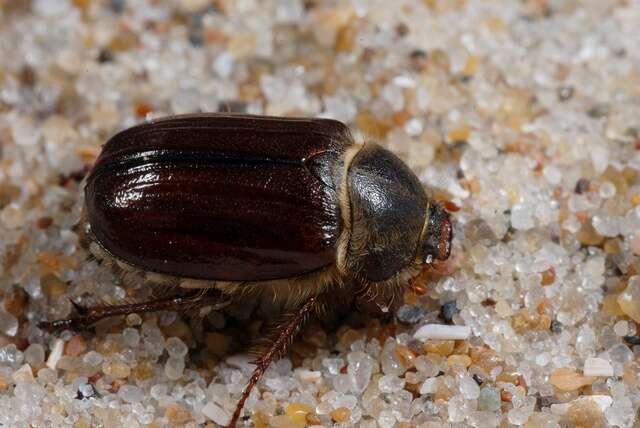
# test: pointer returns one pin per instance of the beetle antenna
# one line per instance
(78, 307)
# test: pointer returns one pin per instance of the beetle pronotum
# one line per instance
(253, 207)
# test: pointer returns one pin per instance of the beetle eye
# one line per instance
(437, 242)
(444, 246)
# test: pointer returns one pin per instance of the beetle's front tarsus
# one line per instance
(91, 315)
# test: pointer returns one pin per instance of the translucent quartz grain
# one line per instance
(620, 413)
(174, 367)
(430, 386)
(620, 354)
(282, 421)
(607, 190)
(426, 366)
(386, 419)
(92, 358)
(75, 346)
(629, 299)
(130, 393)
(176, 348)
(489, 399)
(23, 374)
(621, 328)
(520, 415)
(133, 320)
(298, 411)
(566, 379)
(116, 369)
(597, 367)
(8, 323)
(469, 388)
(34, 355)
(602, 401)
(390, 384)
(131, 337)
(216, 413)
(341, 414)
(177, 415)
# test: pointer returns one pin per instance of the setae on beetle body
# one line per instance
(250, 207)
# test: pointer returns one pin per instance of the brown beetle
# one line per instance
(253, 207)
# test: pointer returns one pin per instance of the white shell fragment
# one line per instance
(597, 367)
(442, 332)
(56, 353)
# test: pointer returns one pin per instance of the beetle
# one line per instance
(235, 207)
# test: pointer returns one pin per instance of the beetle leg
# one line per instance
(94, 314)
(288, 329)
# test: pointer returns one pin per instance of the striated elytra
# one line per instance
(251, 198)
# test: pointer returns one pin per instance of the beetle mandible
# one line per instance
(256, 207)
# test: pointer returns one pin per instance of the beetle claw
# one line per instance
(82, 310)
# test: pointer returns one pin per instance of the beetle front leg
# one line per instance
(288, 328)
(91, 315)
